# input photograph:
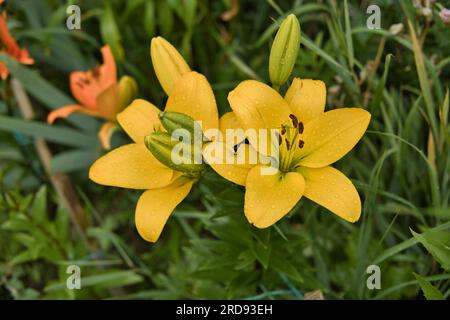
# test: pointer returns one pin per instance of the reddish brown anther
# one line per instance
(294, 120)
(300, 127)
(301, 143)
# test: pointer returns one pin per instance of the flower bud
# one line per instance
(128, 90)
(168, 63)
(175, 154)
(172, 121)
(283, 54)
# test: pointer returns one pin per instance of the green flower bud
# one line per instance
(128, 90)
(172, 121)
(175, 154)
(283, 54)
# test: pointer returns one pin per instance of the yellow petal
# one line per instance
(331, 189)
(258, 106)
(168, 63)
(233, 166)
(332, 135)
(139, 119)
(307, 98)
(155, 206)
(192, 95)
(228, 121)
(268, 198)
(105, 134)
(131, 166)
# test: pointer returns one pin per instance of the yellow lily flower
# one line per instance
(310, 141)
(133, 166)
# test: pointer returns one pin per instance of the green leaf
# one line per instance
(149, 19)
(280, 264)
(438, 244)
(62, 135)
(72, 160)
(110, 32)
(430, 292)
(423, 79)
(382, 83)
(39, 208)
(105, 280)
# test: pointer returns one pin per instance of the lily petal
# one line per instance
(106, 132)
(66, 111)
(331, 189)
(307, 98)
(258, 106)
(131, 166)
(155, 206)
(139, 119)
(332, 135)
(268, 198)
(192, 95)
(107, 102)
(228, 121)
(108, 70)
(239, 164)
(86, 86)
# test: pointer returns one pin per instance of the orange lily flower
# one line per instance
(99, 95)
(9, 46)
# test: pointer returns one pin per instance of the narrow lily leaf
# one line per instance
(62, 135)
(111, 33)
(438, 244)
(423, 79)
(348, 35)
(382, 83)
(105, 280)
(72, 160)
(430, 292)
(149, 18)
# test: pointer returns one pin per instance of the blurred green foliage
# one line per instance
(208, 250)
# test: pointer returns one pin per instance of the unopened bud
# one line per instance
(128, 91)
(283, 54)
(168, 63)
(178, 155)
(172, 121)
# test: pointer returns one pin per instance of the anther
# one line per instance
(294, 120)
(300, 127)
(280, 140)
(283, 130)
(288, 145)
(301, 143)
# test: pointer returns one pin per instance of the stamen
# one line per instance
(300, 127)
(283, 130)
(301, 143)
(280, 140)
(294, 120)
(288, 145)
